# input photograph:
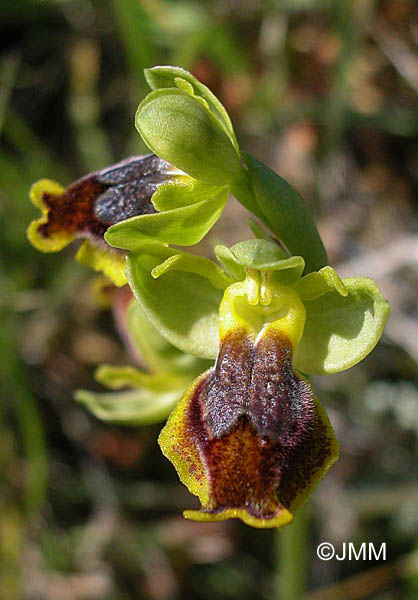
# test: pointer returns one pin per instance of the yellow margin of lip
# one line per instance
(110, 262)
(60, 239)
(284, 517)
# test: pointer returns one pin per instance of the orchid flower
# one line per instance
(145, 193)
(247, 435)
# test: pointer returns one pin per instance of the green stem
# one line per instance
(291, 552)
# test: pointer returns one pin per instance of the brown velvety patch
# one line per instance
(244, 471)
(258, 427)
(73, 211)
(94, 202)
(227, 390)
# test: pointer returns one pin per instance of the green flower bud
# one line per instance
(180, 127)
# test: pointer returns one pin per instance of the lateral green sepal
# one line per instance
(183, 306)
(190, 263)
(341, 330)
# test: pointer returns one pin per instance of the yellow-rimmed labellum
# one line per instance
(249, 438)
(91, 204)
(42, 194)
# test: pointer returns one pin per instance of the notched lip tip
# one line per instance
(282, 517)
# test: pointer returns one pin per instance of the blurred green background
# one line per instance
(324, 92)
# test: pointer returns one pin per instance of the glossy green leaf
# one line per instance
(341, 330)
(184, 226)
(182, 306)
(157, 353)
(284, 212)
(168, 76)
(199, 265)
(320, 282)
(179, 128)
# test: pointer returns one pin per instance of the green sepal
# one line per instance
(190, 263)
(184, 226)
(169, 76)
(320, 282)
(155, 351)
(284, 212)
(181, 129)
(142, 406)
(186, 86)
(341, 330)
(263, 255)
(258, 254)
(182, 306)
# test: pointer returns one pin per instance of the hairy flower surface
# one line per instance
(250, 438)
(91, 204)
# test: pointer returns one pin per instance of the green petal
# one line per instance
(340, 331)
(191, 263)
(182, 306)
(168, 76)
(284, 212)
(184, 226)
(170, 196)
(320, 282)
(181, 129)
(142, 406)
(157, 353)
